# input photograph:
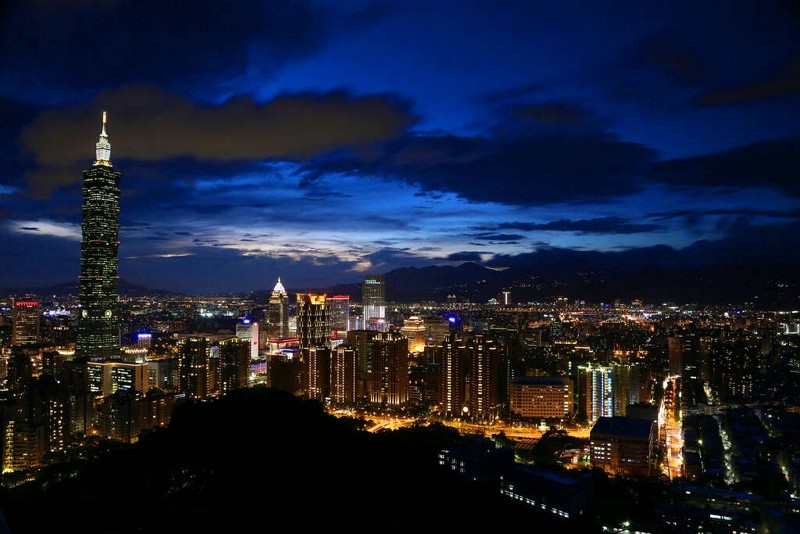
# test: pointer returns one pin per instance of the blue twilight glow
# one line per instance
(369, 136)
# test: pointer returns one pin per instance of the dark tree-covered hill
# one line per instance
(260, 459)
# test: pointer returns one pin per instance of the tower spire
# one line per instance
(103, 147)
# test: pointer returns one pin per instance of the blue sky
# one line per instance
(320, 141)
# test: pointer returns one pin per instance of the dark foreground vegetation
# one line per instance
(259, 459)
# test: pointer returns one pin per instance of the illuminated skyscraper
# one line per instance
(313, 322)
(339, 313)
(278, 313)
(313, 331)
(193, 365)
(595, 391)
(415, 330)
(247, 329)
(25, 321)
(452, 385)
(373, 299)
(483, 359)
(343, 375)
(98, 326)
(234, 364)
(389, 369)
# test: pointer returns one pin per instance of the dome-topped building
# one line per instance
(278, 313)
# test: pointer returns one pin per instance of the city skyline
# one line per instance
(320, 141)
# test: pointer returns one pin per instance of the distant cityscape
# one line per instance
(704, 399)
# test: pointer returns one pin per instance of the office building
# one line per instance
(247, 329)
(545, 397)
(623, 445)
(339, 313)
(415, 330)
(105, 378)
(313, 332)
(373, 302)
(595, 392)
(278, 313)
(98, 324)
(25, 316)
(313, 321)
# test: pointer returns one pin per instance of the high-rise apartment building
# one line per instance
(98, 324)
(343, 375)
(373, 301)
(25, 321)
(595, 391)
(193, 366)
(452, 383)
(234, 364)
(389, 376)
(482, 356)
(361, 341)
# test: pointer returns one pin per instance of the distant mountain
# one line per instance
(73, 288)
(588, 280)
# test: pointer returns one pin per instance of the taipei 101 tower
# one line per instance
(98, 324)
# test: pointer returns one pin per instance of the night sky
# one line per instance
(321, 140)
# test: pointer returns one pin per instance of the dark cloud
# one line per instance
(31, 228)
(529, 170)
(765, 164)
(147, 124)
(512, 94)
(497, 237)
(781, 82)
(748, 212)
(600, 225)
(206, 267)
(86, 46)
(672, 54)
(556, 114)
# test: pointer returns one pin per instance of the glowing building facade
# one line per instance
(373, 299)
(278, 313)
(98, 325)
(25, 321)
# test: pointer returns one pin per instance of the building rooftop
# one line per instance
(622, 426)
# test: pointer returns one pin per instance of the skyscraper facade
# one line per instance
(25, 321)
(373, 300)
(389, 377)
(339, 312)
(483, 357)
(98, 325)
(343, 375)
(193, 363)
(452, 385)
(595, 392)
(313, 332)
(278, 313)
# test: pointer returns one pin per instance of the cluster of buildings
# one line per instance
(708, 396)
